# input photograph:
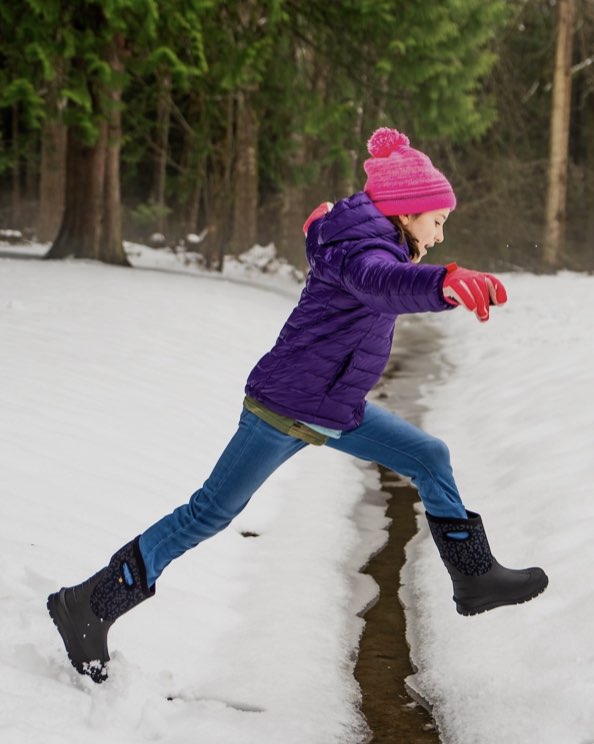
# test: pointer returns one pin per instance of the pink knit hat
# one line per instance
(402, 180)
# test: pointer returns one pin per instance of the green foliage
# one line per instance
(21, 91)
(147, 214)
(438, 63)
(411, 64)
(317, 76)
(36, 53)
(72, 37)
(431, 57)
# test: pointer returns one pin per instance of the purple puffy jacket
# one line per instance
(335, 344)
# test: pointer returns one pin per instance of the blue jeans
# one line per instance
(257, 449)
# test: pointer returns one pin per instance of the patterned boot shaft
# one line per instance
(123, 584)
(470, 555)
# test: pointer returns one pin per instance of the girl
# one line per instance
(364, 255)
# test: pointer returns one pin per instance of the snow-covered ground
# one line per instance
(118, 390)
(516, 406)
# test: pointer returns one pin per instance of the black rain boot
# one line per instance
(84, 614)
(480, 582)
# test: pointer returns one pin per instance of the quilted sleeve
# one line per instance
(385, 284)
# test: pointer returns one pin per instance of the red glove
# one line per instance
(473, 289)
(318, 212)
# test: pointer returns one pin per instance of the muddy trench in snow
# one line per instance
(383, 663)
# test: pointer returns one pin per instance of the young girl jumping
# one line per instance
(310, 388)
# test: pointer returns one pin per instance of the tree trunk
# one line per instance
(588, 130)
(80, 231)
(32, 179)
(294, 208)
(245, 181)
(111, 248)
(193, 209)
(162, 139)
(348, 184)
(192, 170)
(52, 180)
(559, 137)
(91, 225)
(218, 194)
(16, 171)
(192, 163)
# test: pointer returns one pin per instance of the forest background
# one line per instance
(232, 120)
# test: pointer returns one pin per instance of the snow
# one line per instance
(515, 404)
(119, 389)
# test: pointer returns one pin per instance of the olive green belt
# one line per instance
(284, 424)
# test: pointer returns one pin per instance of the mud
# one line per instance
(383, 661)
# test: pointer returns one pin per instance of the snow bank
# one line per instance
(119, 390)
(516, 406)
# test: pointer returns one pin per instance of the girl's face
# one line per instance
(426, 227)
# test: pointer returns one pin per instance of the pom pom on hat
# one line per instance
(402, 180)
(384, 141)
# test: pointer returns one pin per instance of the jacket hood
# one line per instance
(351, 220)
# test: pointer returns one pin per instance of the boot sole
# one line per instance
(467, 612)
(61, 618)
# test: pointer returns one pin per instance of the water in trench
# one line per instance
(383, 661)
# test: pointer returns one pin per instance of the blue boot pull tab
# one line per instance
(128, 578)
(458, 535)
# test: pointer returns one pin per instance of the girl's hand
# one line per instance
(473, 289)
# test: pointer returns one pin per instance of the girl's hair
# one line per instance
(406, 235)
